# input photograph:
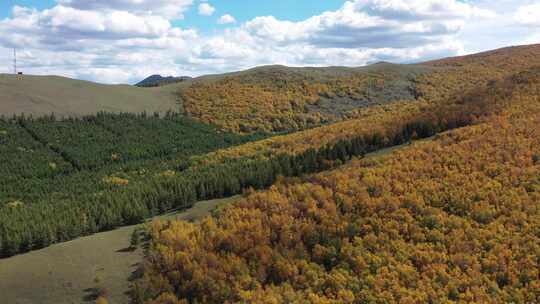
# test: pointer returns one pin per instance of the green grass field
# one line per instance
(43, 95)
(69, 272)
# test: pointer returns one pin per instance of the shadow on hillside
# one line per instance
(129, 249)
(91, 294)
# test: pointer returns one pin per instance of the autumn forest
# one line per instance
(389, 183)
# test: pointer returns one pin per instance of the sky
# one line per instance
(124, 41)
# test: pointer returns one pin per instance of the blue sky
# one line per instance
(293, 10)
(123, 41)
(6, 5)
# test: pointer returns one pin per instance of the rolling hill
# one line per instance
(74, 165)
(279, 98)
(43, 95)
(263, 99)
(268, 99)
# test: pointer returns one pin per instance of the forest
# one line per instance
(278, 99)
(92, 201)
(96, 173)
(51, 162)
(452, 220)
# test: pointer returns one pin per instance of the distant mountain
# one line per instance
(158, 80)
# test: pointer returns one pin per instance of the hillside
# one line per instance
(78, 182)
(263, 99)
(64, 178)
(43, 95)
(452, 220)
(269, 98)
(74, 272)
(279, 98)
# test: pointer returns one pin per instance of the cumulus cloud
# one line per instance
(226, 19)
(205, 9)
(126, 40)
(372, 24)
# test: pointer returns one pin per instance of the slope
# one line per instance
(43, 95)
(454, 220)
(279, 98)
(134, 194)
(71, 272)
(269, 98)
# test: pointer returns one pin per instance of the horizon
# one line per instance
(124, 41)
(267, 65)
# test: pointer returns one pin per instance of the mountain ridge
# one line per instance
(157, 80)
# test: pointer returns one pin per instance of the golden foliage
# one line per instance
(451, 220)
(167, 173)
(101, 300)
(469, 88)
(15, 204)
(275, 102)
(115, 181)
(383, 119)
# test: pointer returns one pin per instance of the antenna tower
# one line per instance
(15, 61)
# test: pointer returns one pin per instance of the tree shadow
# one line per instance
(91, 294)
(129, 249)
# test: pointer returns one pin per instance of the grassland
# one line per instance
(43, 95)
(66, 273)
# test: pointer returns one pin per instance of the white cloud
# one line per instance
(170, 9)
(226, 19)
(528, 15)
(126, 40)
(372, 24)
(205, 9)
